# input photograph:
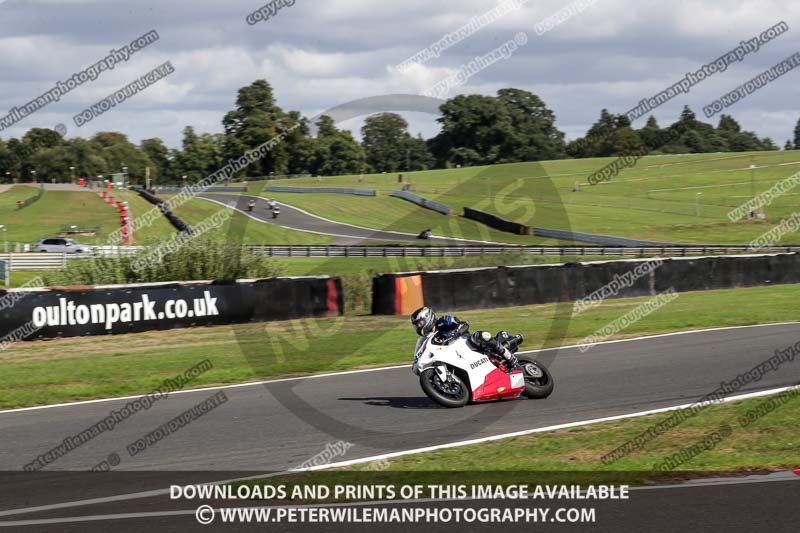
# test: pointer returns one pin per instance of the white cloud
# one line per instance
(320, 54)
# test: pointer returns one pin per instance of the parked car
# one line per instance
(61, 244)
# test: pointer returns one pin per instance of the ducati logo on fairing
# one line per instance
(478, 363)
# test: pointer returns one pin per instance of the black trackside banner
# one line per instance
(583, 283)
(74, 312)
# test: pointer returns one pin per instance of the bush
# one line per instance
(195, 260)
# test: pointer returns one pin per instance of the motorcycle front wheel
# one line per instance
(453, 393)
(538, 380)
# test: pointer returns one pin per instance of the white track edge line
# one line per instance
(159, 492)
(318, 217)
(555, 427)
(377, 369)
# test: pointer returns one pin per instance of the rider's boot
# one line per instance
(511, 361)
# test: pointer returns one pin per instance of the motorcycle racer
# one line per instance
(449, 327)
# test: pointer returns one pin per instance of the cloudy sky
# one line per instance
(322, 53)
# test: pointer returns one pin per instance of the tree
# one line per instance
(20, 155)
(159, 154)
(688, 118)
(383, 137)
(52, 164)
(745, 141)
(651, 134)
(797, 135)
(514, 126)
(693, 141)
(106, 139)
(200, 156)
(256, 120)
(42, 138)
(119, 152)
(788, 146)
(606, 124)
(465, 157)
(611, 135)
(6, 163)
(335, 152)
(728, 123)
(88, 162)
(418, 157)
(533, 135)
(768, 144)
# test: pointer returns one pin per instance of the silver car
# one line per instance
(61, 244)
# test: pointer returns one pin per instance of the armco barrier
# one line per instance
(497, 222)
(333, 190)
(226, 189)
(35, 261)
(423, 202)
(592, 238)
(482, 288)
(21, 204)
(165, 189)
(79, 311)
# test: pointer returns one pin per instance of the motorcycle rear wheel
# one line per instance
(453, 394)
(538, 380)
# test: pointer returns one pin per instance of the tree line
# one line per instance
(513, 126)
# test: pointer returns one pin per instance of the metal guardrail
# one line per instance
(327, 190)
(117, 250)
(591, 238)
(76, 228)
(21, 204)
(56, 261)
(423, 202)
(34, 261)
(466, 251)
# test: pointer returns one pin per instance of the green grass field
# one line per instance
(44, 372)
(159, 231)
(671, 198)
(45, 217)
(654, 200)
(387, 213)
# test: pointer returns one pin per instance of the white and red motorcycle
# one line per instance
(453, 373)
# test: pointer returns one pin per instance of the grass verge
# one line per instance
(573, 455)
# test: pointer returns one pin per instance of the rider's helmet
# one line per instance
(423, 320)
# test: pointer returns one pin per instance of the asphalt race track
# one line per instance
(293, 218)
(385, 410)
(264, 427)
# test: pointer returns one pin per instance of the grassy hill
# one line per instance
(54, 209)
(654, 200)
(657, 199)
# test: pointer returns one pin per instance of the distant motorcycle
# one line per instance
(276, 211)
(454, 373)
(424, 234)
